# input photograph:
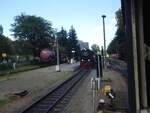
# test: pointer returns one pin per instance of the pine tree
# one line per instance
(63, 41)
(1, 30)
(73, 41)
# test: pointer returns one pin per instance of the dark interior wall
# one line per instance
(128, 11)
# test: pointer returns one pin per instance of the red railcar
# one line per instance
(47, 56)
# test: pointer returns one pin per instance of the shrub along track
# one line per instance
(48, 102)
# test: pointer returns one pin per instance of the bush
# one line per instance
(5, 66)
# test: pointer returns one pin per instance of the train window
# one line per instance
(42, 53)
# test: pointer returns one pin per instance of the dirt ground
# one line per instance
(119, 85)
(37, 82)
(82, 101)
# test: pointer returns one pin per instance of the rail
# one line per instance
(46, 103)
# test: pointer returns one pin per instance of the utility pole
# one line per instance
(58, 63)
(104, 16)
(102, 53)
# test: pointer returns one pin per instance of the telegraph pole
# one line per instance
(104, 16)
(102, 53)
(58, 63)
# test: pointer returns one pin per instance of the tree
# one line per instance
(23, 47)
(36, 30)
(63, 41)
(62, 37)
(113, 47)
(1, 30)
(118, 44)
(95, 48)
(6, 46)
(73, 42)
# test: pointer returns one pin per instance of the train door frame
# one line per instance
(138, 54)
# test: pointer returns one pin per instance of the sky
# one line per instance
(84, 15)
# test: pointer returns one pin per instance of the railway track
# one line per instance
(48, 102)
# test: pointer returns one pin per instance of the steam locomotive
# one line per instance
(87, 60)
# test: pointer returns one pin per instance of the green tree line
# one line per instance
(118, 44)
(33, 33)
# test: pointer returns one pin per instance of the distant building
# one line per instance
(83, 44)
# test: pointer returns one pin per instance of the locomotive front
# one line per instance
(87, 59)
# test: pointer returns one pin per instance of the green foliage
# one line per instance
(33, 34)
(8, 98)
(63, 41)
(72, 37)
(23, 47)
(6, 46)
(113, 47)
(118, 44)
(36, 30)
(5, 66)
(73, 42)
(62, 37)
(63, 50)
(95, 48)
(1, 30)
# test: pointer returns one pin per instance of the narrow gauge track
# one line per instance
(48, 102)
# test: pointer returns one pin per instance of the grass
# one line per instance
(23, 68)
(18, 69)
(121, 96)
(27, 67)
(4, 75)
(45, 85)
(8, 98)
(36, 89)
(121, 99)
(120, 62)
(60, 76)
